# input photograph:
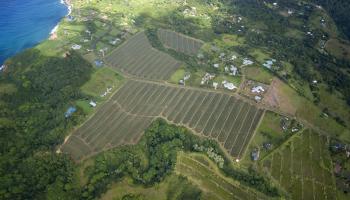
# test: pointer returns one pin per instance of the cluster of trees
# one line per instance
(154, 158)
(302, 53)
(32, 123)
(339, 10)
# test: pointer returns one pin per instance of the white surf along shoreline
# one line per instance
(53, 33)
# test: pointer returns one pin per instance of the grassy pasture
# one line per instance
(138, 58)
(125, 116)
(338, 48)
(302, 166)
(269, 131)
(289, 101)
(100, 80)
(258, 74)
(179, 42)
(205, 174)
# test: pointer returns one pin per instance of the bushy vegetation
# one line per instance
(32, 123)
(154, 158)
(339, 10)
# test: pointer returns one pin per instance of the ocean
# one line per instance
(25, 23)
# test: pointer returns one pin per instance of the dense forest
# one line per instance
(35, 93)
(339, 10)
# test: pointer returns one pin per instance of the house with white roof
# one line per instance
(76, 47)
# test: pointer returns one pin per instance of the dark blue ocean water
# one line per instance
(25, 23)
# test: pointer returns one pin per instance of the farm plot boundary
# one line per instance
(123, 119)
(179, 42)
(303, 167)
(136, 57)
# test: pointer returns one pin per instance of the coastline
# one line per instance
(53, 33)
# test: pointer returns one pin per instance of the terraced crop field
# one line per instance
(123, 119)
(138, 58)
(179, 42)
(204, 173)
(303, 167)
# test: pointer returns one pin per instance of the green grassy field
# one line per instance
(269, 132)
(205, 174)
(177, 76)
(102, 79)
(302, 166)
(258, 74)
(339, 48)
(291, 102)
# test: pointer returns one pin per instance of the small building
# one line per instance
(70, 18)
(187, 76)
(234, 70)
(294, 130)
(181, 82)
(70, 111)
(98, 63)
(216, 66)
(233, 57)
(206, 78)
(255, 155)
(228, 85)
(246, 62)
(2, 67)
(114, 42)
(76, 47)
(93, 104)
(267, 146)
(215, 85)
(258, 89)
(269, 63)
(258, 98)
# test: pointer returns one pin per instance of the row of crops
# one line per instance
(138, 58)
(127, 114)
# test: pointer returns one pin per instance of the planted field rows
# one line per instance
(202, 172)
(123, 119)
(138, 58)
(303, 167)
(179, 42)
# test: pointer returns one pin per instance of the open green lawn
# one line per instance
(177, 76)
(259, 74)
(100, 81)
(335, 103)
(260, 55)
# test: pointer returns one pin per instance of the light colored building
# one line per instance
(258, 89)
(76, 47)
(93, 104)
